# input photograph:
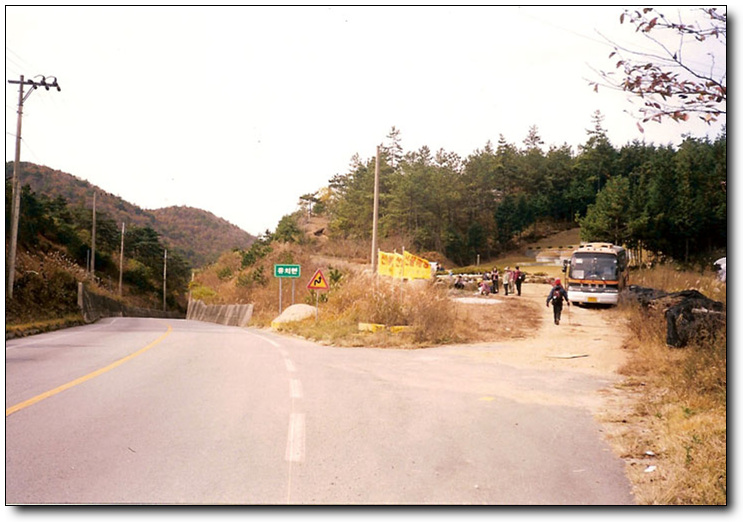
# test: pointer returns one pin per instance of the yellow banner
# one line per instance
(406, 265)
(416, 267)
(390, 264)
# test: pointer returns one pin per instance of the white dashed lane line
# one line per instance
(295, 443)
(295, 388)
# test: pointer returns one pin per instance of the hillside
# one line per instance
(199, 235)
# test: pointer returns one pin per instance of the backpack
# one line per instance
(557, 295)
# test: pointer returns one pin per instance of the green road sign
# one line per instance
(292, 271)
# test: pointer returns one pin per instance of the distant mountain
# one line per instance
(200, 236)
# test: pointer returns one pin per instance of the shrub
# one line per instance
(257, 251)
(224, 273)
(46, 295)
(202, 293)
(258, 276)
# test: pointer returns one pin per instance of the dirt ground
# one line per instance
(588, 340)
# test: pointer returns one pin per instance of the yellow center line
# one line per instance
(80, 380)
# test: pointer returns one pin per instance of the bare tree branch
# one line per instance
(668, 82)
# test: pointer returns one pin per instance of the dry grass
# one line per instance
(679, 407)
(427, 310)
(561, 239)
(481, 323)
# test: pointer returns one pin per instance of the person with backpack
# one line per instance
(518, 278)
(556, 296)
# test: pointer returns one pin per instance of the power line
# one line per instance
(36, 157)
(24, 65)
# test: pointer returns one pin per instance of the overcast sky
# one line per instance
(240, 111)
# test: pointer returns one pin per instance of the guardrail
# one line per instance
(95, 306)
(228, 315)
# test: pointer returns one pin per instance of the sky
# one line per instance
(242, 110)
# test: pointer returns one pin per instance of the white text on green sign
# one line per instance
(287, 270)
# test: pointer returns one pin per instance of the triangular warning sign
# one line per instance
(318, 282)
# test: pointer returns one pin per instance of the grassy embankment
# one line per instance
(674, 434)
(45, 294)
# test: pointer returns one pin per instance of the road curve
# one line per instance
(154, 411)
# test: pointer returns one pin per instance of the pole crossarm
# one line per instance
(41, 83)
(36, 84)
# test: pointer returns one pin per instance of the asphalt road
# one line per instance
(151, 411)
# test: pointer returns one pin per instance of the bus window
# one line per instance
(597, 273)
(594, 267)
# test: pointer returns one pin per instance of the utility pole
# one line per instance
(376, 215)
(92, 241)
(16, 202)
(121, 256)
(165, 278)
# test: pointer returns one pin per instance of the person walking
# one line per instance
(556, 296)
(518, 278)
(495, 280)
(507, 279)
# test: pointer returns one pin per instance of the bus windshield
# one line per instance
(594, 266)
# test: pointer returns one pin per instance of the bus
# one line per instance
(596, 273)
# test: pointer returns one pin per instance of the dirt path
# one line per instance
(587, 339)
(581, 357)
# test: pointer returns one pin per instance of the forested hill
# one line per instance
(668, 200)
(200, 236)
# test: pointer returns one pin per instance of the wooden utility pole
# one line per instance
(376, 215)
(16, 201)
(121, 256)
(92, 246)
(165, 278)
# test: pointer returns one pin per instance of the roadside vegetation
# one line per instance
(409, 315)
(674, 433)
